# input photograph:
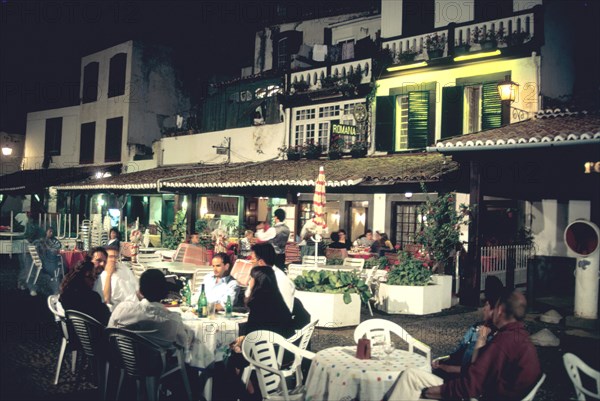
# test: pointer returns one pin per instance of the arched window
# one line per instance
(89, 92)
(116, 75)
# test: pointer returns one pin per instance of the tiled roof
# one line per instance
(382, 170)
(31, 181)
(546, 129)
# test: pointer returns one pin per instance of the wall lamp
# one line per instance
(407, 66)
(507, 90)
(477, 55)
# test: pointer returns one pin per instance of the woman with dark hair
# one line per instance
(114, 238)
(76, 292)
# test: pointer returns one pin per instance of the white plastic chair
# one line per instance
(573, 364)
(60, 318)
(303, 336)
(294, 270)
(138, 269)
(198, 277)
(259, 349)
(379, 330)
(310, 260)
(35, 262)
(354, 263)
(534, 390)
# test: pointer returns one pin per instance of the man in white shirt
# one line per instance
(116, 283)
(219, 285)
(277, 236)
(264, 255)
(159, 325)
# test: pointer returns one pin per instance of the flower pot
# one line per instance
(330, 309)
(445, 283)
(334, 155)
(293, 156)
(357, 154)
(461, 49)
(406, 58)
(437, 53)
(488, 44)
(409, 300)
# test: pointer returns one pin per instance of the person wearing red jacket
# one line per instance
(506, 368)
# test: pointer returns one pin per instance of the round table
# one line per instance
(336, 373)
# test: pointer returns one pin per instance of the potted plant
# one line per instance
(435, 45)
(359, 148)
(173, 235)
(336, 148)
(313, 150)
(515, 38)
(488, 39)
(461, 48)
(408, 289)
(292, 152)
(333, 297)
(408, 55)
(300, 86)
(329, 81)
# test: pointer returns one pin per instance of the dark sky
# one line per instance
(41, 43)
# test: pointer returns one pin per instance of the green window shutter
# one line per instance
(452, 111)
(418, 119)
(491, 107)
(384, 126)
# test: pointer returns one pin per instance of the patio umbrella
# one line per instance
(319, 210)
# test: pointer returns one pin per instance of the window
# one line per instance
(90, 83)
(402, 122)
(299, 139)
(323, 137)
(308, 114)
(53, 137)
(310, 133)
(114, 137)
(407, 222)
(472, 108)
(329, 111)
(116, 75)
(86, 146)
(282, 56)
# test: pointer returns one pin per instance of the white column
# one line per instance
(379, 212)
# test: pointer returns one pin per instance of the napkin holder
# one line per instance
(363, 348)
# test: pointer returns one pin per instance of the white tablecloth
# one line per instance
(211, 337)
(336, 374)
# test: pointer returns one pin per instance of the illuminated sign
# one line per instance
(591, 167)
(342, 129)
(222, 205)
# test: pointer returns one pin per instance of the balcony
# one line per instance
(461, 39)
(318, 78)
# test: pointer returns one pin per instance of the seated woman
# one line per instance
(76, 292)
(114, 238)
(335, 241)
(344, 239)
(382, 244)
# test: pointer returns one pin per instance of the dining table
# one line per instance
(336, 373)
(71, 257)
(176, 267)
(362, 255)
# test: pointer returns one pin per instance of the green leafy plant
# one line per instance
(173, 235)
(292, 152)
(408, 55)
(410, 271)
(334, 282)
(359, 148)
(381, 262)
(300, 86)
(330, 81)
(441, 227)
(312, 150)
(435, 42)
(335, 262)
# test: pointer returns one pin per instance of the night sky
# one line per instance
(42, 42)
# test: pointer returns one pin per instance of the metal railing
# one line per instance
(496, 260)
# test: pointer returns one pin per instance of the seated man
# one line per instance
(116, 283)
(219, 285)
(459, 360)
(159, 325)
(506, 369)
(48, 249)
(98, 256)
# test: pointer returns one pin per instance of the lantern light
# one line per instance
(508, 89)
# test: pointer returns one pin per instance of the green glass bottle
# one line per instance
(228, 307)
(202, 304)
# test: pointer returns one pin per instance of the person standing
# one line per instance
(277, 236)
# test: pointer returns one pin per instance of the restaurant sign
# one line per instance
(222, 205)
(343, 129)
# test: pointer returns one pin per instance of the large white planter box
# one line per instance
(410, 300)
(445, 282)
(330, 309)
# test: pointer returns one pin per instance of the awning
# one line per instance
(550, 129)
(33, 181)
(369, 171)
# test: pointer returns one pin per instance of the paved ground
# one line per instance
(30, 342)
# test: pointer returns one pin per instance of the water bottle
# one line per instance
(228, 307)
(202, 304)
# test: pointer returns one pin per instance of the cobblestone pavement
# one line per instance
(30, 344)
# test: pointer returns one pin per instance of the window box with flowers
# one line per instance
(408, 56)
(336, 148)
(435, 44)
(300, 86)
(515, 38)
(313, 150)
(292, 153)
(461, 48)
(359, 148)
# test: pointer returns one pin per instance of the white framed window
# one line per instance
(310, 133)
(323, 137)
(307, 114)
(299, 135)
(329, 111)
(282, 55)
(402, 122)
(472, 109)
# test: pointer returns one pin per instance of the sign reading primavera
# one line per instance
(342, 129)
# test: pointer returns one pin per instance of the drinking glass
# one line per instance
(212, 314)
